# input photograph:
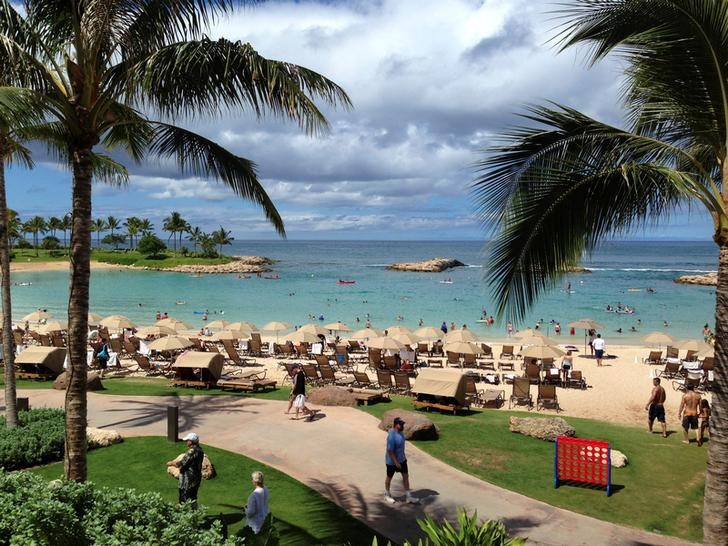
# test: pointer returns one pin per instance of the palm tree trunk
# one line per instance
(76, 403)
(11, 406)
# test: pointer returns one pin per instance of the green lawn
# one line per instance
(660, 490)
(303, 516)
(121, 257)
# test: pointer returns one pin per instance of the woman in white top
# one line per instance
(257, 508)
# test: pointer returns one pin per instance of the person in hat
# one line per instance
(190, 469)
(396, 461)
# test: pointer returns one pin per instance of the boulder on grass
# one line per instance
(100, 437)
(618, 459)
(208, 470)
(542, 428)
(331, 396)
(416, 425)
(93, 382)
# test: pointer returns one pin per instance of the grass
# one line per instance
(121, 257)
(660, 490)
(303, 516)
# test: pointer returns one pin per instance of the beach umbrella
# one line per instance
(314, 329)
(156, 331)
(337, 327)
(36, 316)
(175, 324)
(239, 333)
(659, 338)
(52, 326)
(301, 336)
(542, 351)
(586, 324)
(276, 326)
(408, 339)
(244, 325)
(170, 343)
(398, 329)
(117, 322)
(460, 335)
(529, 332)
(385, 342)
(462, 347)
(366, 333)
(226, 335)
(94, 318)
(218, 325)
(537, 340)
(429, 333)
(695, 345)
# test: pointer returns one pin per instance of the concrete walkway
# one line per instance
(341, 456)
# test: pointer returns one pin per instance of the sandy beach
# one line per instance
(55, 266)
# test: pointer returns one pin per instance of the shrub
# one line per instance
(62, 513)
(23, 243)
(50, 243)
(38, 439)
(151, 245)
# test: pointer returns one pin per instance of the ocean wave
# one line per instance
(648, 269)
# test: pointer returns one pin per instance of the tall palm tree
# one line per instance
(222, 237)
(563, 181)
(67, 223)
(113, 223)
(145, 226)
(54, 224)
(97, 68)
(194, 234)
(132, 229)
(15, 226)
(36, 226)
(174, 224)
(99, 225)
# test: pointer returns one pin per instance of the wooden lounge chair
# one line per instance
(509, 365)
(130, 348)
(422, 349)
(691, 379)
(547, 398)
(655, 357)
(552, 377)
(673, 352)
(671, 370)
(384, 379)
(533, 374)
(507, 352)
(390, 362)
(361, 379)
(375, 357)
(486, 365)
(521, 394)
(255, 347)
(149, 368)
(492, 398)
(472, 395)
(691, 356)
(576, 380)
(402, 383)
(322, 360)
(251, 381)
(453, 359)
(469, 361)
(310, 373)
(328, 376)
(487, 351)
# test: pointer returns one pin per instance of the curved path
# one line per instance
(341, 456)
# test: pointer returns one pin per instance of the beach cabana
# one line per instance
(37, 362)
(443, 389)
(197, 369)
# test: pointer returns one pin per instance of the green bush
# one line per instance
(22, 243)
(38, 439)
(151, 245)
(50, 243)
(62, 513)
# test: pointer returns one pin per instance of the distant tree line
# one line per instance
(135, 232)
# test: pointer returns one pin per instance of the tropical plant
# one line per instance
(50, 242)
(194, 234)
(96, 67)
(54, 224)
(222, 237)
(15, 226)
(151, 245)
(114, 240)
(113, 224)
(562, 182)
(207, 244)
(174, 224)
(145, 226)
(132, 229)
(36, 226)
(67, 224)
(98, 226)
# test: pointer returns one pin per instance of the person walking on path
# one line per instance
(190, 469)
(598, 345)
(656, 407)
(689, 409)
(257, 508)
(396, 461)
(299, 394)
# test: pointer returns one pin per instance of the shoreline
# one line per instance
(59, 266)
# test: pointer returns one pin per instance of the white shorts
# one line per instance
(299, 402)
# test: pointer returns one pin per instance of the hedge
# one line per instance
(38, 439)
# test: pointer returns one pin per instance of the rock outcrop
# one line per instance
(331, 396)
(99, 437)
(239, 264)
(428, 266)
(93, 382)
(208, 470)
(417, 426)
(542, 428)
(709, 279)
(618, 459)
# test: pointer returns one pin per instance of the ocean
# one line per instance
(308, 289)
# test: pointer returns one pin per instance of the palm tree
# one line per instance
(194, 234)
(36, 226)
(113, 223)
(15, 226)
(96, 71)
(222, 237)
(54, 224)
(145, 226)
(132, 229)
(98, 226)
(174, 224)
(67, 223)
(563, 181)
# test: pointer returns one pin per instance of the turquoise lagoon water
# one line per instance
(309, 270)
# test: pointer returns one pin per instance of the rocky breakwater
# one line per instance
(709, 279)
(239, 264)
(428, 266)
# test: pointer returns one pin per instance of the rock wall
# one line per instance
(709, 279)
(239, 264)
(435, 265)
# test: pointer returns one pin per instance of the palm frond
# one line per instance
(16, 153)
(127, 129)
(20, 108)
(553, 192)
(109, 171)
(201, 157)
(212, 76)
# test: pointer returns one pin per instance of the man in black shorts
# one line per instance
(689, 411)
(396, 461)
(656, 407)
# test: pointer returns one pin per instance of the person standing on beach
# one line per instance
(689, 409)
(598, 345)
(592, 336)
(396, 461)
(656, 407)
(190, 469)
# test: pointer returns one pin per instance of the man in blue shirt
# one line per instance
(396, 461)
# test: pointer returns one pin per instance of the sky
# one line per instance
(432, 84)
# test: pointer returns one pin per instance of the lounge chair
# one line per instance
(487, 351)
(322, 360)
(453, 359)
(691, 356)
(310, 373)
(655, 357)
(471, 391)
(469, 361)
(130, 348)
(533, 374)
(547, 398)
(671, 370)
(552, 377)
(328, 376)
(576, 380)
(402, 383)
(691, 379)
(361, 379)
(492, 398)
(507, 352)
(152, 369)
(255, 347)
(233, 354)
(521, 394)
(251, 380)
(509, 365)
(673, 352)
(486, 365)
(422, 349)
(708, 363)
(341, 358)
(384, 379)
